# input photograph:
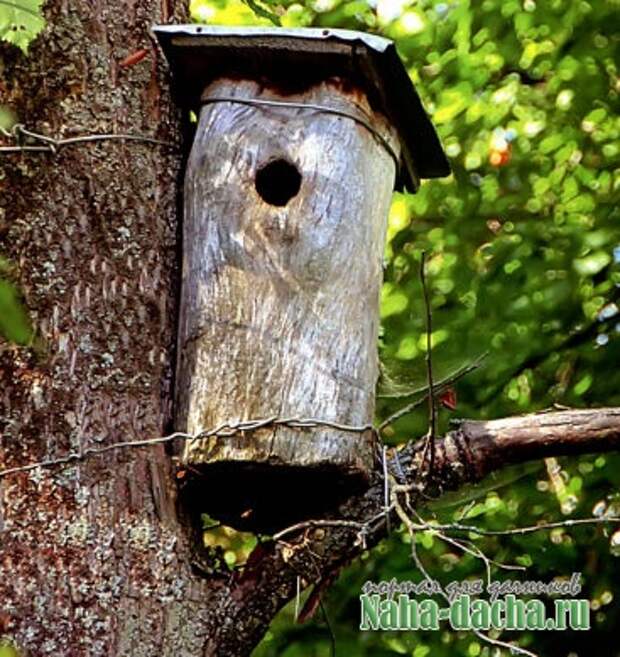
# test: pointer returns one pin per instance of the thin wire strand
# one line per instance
(52, 144)
(224, 430)
(311, 106)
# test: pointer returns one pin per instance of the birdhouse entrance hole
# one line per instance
(278, 182)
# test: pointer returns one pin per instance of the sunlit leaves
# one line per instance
(523, 248)
(452, 102)
(14, 323)
(8, 648)
(7, 118)
(226, 12)
(593, 263)
(20, 21)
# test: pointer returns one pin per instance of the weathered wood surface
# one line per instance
(279, 305)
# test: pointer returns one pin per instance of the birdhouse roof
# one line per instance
(199, 54)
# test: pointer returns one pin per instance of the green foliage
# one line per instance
(8, 648)
(20, 21)
(523, 242)
(15, 324)
(234, 546)
(7, 118)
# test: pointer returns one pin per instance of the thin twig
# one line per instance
(514, 649)
(432, 408)
(411, 527)
(332, 636)
(424, 525)
(365, 526)
(468, 507)
(263, 13)
(403, 411)
(456, 526)
(297, 597)
(386, 489)
(313, 524)
(440, 386)
(475, 551)
(432, 402)
(466, 546)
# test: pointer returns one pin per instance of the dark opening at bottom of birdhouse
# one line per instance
(265, 498)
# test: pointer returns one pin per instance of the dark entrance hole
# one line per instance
(278, 182)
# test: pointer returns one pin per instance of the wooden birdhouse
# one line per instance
(301, 138)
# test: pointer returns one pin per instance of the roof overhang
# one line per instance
(199, 54)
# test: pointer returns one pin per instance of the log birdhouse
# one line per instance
(301, 137)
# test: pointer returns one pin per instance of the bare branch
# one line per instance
(496, 444)
(432, 404)
(466, 454)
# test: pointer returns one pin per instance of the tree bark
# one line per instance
(96, 558)
(93, 560)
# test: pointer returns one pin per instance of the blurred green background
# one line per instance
(523, 244)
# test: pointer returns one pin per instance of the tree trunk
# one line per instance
(95, 558)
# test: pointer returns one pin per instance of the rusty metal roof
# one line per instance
(199, 54)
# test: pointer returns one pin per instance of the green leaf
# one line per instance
(524, 560)
(583, 385)
(475, 511)
(7, 649)
(392, 302)
(8, 119)
(20, 21)
(592, 264)
(14, 323)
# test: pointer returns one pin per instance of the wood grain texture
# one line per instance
(279, 305)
